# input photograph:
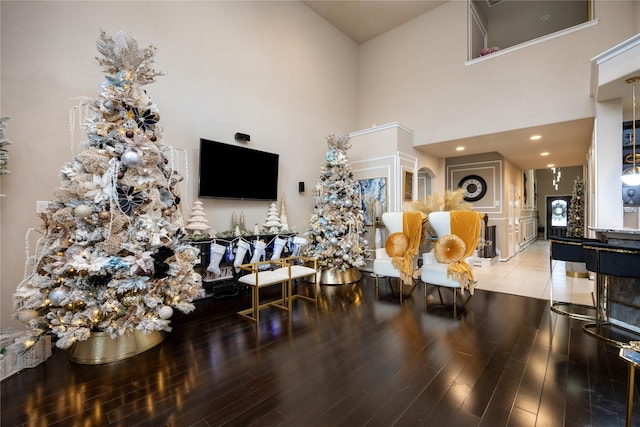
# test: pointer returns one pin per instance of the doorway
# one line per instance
(425, 176)
(557, 215)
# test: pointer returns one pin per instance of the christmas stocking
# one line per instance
(298, 243)
(258, 250)
(215, 256)
(241, 251)
(278, 245)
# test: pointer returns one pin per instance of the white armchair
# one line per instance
(433, 272)
(383, 262)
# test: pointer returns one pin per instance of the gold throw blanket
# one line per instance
(466, 225)
(413, 225)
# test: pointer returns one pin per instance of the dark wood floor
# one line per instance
(356, 361)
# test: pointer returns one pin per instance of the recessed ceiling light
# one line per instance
(544, 153)
(460, 148)
(535, 137)
(550, 165)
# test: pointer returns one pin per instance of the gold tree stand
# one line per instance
(336, 277)
(100, 348)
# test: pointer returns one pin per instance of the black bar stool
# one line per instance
(569, 249)
(617, 320)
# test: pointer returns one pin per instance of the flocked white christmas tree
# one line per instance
(197, 222)
(336, 232)
(273, 224)
(110, 258)
(575, 217)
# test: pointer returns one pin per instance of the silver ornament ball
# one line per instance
(130, 159)
(82, 211)
(58, 294)
(165, 312)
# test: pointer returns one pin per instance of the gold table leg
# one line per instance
(630, 387)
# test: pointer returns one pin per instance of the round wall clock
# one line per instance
(475, 187)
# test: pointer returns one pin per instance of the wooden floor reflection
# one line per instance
(353, 361)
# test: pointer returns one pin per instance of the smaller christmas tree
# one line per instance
(575, 226)
(197, 222)
(336, 231)
(273, 223)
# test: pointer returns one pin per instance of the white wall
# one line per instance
(417, 75)
(274, 70)
(280, 73)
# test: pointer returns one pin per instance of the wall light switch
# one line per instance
(41, 206)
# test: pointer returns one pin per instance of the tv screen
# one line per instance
(234, 172)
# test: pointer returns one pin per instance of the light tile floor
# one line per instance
(527, 274)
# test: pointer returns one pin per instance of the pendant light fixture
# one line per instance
(631, 176)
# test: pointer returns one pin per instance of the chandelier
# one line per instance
(556, 177)
(631, 176)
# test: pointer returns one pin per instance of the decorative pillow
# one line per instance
(449, 249)
(397, 244)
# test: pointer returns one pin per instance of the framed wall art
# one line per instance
(373, 199)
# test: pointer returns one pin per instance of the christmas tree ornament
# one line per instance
(130, 159)
(216, 252)
(130, 300)
(104, 216)
(165, 312)
(25, 316)
(58, 294)
(82, 211)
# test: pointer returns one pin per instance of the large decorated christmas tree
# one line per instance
(110, 259)
(336, 232)
(575, 225)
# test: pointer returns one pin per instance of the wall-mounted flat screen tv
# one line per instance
(235, 172)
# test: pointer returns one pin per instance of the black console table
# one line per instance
(226, 284)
